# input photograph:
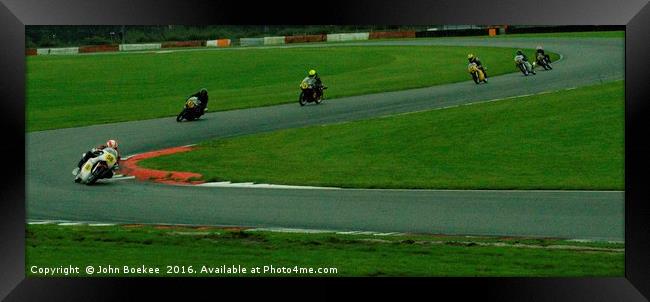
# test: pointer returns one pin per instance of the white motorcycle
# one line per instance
(525, 66)
(97, 167)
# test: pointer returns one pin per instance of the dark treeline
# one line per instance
(62, 36)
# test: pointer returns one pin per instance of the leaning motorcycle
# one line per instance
(477, 74)
(544, 61)
(97, 167)
(191, 110)
(523, 65)
(310, 92)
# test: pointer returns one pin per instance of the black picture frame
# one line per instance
(635, 15)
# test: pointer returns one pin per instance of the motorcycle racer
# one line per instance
(524, 59)
(474, 59)
(540, 51)
(94, 152)
(202, 95)
(313, 76)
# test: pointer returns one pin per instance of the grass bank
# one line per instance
(563, 140)
(72, 91)
(350, 255)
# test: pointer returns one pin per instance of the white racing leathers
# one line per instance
(97, 167)
(523, 65)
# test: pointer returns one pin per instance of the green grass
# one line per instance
(72, 91)
(585, 34)
(563, 140)
(351, 255)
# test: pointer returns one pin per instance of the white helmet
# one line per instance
(111, 143)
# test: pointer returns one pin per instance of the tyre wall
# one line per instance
(391, 34)
(218, 43)
(304, 39)
(175, 44)
(98, 48)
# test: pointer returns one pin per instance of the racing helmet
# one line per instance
(111, 143)
(470, 56)
(203, 91)
(539, 47)
(312, 73)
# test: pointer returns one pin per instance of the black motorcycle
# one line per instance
(311, 93)
(544, 61)
(191, 111)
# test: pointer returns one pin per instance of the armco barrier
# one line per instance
(174, 44)
(30, 51)
(57, 51)
(129, 47)
(273, 40)
(304, 39)
(218, 43)
(392, 34)
(347, 37)
(98, 48)
(251, 41)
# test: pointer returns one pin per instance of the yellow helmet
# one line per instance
(469, 56)
(312, 72)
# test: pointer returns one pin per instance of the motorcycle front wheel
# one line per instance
(475, 78)
(180, 116)
(301, 99)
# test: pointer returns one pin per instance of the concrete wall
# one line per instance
(251, 41)
(57, 51)
(273, 40)
(347, 37)
(129, 47)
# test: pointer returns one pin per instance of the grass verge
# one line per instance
(563, 140)
(351, 255)
(72, 91)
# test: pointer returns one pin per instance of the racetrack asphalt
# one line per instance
(51, 155)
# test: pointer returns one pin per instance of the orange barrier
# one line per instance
(223, 42)
(99, 48)
(492, 32)
(304, 38)
(172, 44)
(392, 34)
(30, 51)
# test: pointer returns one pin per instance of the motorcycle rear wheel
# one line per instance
(95, 175)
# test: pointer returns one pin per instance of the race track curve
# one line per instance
(51, 155)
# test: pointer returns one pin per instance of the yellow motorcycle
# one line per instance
(477, 74)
